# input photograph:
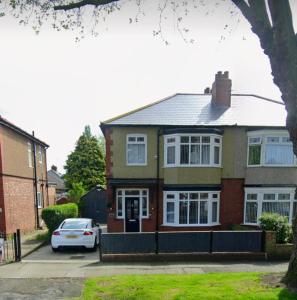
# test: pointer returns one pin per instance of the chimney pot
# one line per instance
(221, 89)
(207, 90)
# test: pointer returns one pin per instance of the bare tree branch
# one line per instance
(83, 3)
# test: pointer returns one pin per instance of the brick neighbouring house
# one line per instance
(19, 207)
(199, 161)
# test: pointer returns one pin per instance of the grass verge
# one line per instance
(215, 286)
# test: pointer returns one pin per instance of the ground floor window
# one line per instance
(123, 194)
(39, 199)
(191, 208)
(273, 200)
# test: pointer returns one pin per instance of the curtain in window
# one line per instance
(279, 154)
(203, 212)
(184, 154)
(183, 212)
(170, 155)
(205, 157)
(195, 154)
(282, 208)
(251, 212)
(170, 212)
(216, 158)
(214, 212)
(136, 153)
(193, 214)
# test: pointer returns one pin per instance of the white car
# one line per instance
(76, 232)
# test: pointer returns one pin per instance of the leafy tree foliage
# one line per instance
(76, 192)
(85, 166)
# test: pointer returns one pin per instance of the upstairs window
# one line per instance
(270, 150)
(193, 150)
(40, 154)
(30, 160)
(136, 149)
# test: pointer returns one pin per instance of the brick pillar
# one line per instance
(270, 242)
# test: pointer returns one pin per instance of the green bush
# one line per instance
(277, 223)
(54, 215)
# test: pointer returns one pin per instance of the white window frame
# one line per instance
(143, 193)
(29, 153)
(263, 135)
(267, 190)
(136, 135)
(178, 143)
(40, 154)
(176, 201)
(39, 199)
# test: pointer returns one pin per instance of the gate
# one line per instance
(10, 247)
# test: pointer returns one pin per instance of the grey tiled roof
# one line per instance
(55, 177)
(196, 109)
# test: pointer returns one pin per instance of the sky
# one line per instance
(55, 86)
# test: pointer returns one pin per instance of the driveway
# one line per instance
(45, 254)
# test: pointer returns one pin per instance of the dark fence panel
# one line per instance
(237, 241)
(184, 242)
(126, 243)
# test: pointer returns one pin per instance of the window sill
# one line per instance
(192, 166)
(136, 165)
(271, 166)
(192, 225)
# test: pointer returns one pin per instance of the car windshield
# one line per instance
(77, 224)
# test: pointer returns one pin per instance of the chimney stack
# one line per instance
(221, 89)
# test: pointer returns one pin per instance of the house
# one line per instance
(199, 162)
(93, 205)
(55, 179)
(23, 179)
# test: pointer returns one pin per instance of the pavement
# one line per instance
(85, 268)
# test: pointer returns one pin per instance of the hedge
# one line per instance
(277, 223)
(54, 215)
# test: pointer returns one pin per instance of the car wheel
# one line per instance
(55, 249)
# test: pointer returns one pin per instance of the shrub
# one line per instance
(54, 215)
(277, 223)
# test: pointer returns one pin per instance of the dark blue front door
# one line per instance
(132, 214)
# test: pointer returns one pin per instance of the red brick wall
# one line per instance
(19, 204)
(51, 195)
(2, 215)
(232, 202)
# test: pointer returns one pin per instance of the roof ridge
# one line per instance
(260, 97)
(21, 131)
(137, 109)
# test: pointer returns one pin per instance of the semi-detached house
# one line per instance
(23, 179)
(199, 161)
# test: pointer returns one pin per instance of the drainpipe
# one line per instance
(46, 178)
(158, 190)
(35, 183)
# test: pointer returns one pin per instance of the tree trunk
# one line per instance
(274, 27)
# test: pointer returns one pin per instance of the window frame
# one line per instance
(260, 200)
(40, 158)
(29, 154)
(264, 135)
(143, 193)
(136, 135)
(39, 199)
(176, 200)
(177, 144)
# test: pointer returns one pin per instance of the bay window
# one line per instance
(269, 200)
(192, 150)
(267, 148)
(191, 208)
(136, 149)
